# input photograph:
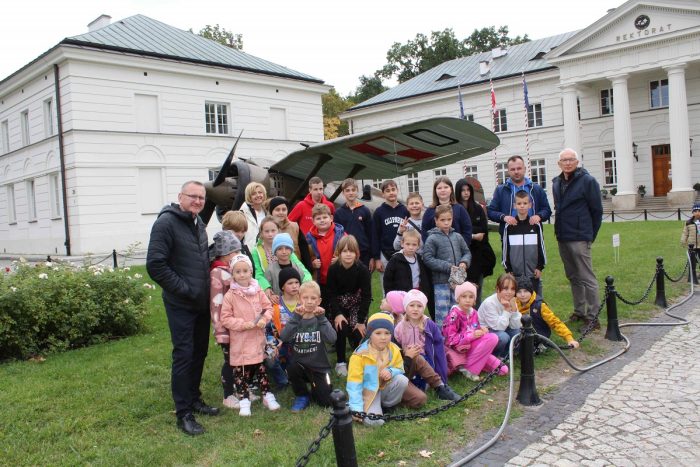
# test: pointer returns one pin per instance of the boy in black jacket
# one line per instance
(523, 245)
(386, 220)
(406, 270)
(356, 219)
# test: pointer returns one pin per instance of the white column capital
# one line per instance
(619, 79)
(675, 68)
(569, 88)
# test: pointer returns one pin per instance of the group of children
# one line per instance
(272, 315)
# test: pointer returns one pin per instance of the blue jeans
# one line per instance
(276, 372)
(504, 338)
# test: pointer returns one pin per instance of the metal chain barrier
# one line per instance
(644, 297)
(594, 322)
(629, 218)
(679, 278)
(662, 217)
(316, 444)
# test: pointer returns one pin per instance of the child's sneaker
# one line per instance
(300, 403)
(445, 393)
(232, 402)
(503, 370)
(270, 402)
(341, 369)
(469, 375)
(244, 410)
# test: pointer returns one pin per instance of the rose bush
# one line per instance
(55, 307)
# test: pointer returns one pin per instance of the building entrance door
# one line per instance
(661, 164)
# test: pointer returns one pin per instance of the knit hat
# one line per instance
(238, 259)
(524, 283)
(225, 242)
(395, 301)
(696, 207)
(282, 239)
(380, 321)
(276, 201)
(465, 286)
(414, 296)
(288, 273)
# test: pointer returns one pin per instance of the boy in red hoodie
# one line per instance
(301, 214)
(322, 239)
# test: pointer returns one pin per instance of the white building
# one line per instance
(624, 92)
(123, 115)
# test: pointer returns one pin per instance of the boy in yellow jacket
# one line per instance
(543, 318)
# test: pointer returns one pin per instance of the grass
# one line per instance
(110, 404)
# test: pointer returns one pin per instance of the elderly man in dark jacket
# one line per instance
(178, 261)
(579, 213)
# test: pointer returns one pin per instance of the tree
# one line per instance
(333, 105)
(369, 87)
(222, 36)
(423, 53)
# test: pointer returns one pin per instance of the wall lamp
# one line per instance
(634, 151)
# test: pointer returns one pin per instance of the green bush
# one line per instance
(55, 307)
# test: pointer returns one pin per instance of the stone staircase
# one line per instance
(652, 204)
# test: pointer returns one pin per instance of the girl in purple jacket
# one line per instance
(468, 344)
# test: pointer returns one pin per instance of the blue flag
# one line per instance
(461, 104)
(527, 101)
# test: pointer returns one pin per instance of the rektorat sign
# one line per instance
(642, 23)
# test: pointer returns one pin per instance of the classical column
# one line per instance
(626, 197)
(682, 193)
(572, 135)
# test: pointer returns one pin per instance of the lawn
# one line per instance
(110, 404)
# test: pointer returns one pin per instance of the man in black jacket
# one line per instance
(178, 261)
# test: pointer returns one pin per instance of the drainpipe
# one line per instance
(62, 158)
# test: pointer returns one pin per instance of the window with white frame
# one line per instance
(534, 115)
(5, 136)
(469, 117)
(11, 205)
(606, 102)
(413, 183)
(501, 172)
(538, 172)
(377, 183)
(277, 182)
(31, 200)
(470, 171)
(48, 118)
(216, 118)
(55, 195)
(500, 122)
(658, 93)
(213, 173)
(610, 167)
(24, 123)
(440, 173)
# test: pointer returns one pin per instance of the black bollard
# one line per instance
(114, 259)
(612, 216)
(612, 333)
(343, 439)
(527, 392)
(692, 275)
(48, 258)
(660, 284)
(645, 215)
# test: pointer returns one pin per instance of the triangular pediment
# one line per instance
(632, 23)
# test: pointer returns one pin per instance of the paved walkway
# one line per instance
(641, 409)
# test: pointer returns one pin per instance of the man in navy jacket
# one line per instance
(579, 213)
(502, 206)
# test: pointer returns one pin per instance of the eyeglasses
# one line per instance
(193, 197)
(567, 160)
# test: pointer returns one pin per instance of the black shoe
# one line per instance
(574, 318)
(189, 425)
(202, 408)
(388, 410)
(596, 324)
(445, 393)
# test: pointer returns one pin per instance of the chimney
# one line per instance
(100, 22)
(484, 67)
(498, 52)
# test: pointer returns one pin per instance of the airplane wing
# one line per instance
(391, 152)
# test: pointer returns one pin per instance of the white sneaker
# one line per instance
(469, 375)
(232, 402)
(341, 369)
(251, 396)
(244, 408)
(270, 402)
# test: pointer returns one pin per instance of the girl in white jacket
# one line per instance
(500, 314)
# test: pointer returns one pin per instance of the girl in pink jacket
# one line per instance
(245, 312)
(468, 344)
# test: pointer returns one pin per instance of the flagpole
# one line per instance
(493, 124)
(526, 105)
(462, 116)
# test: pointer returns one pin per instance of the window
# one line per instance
(55, 195)
(5, 137)
(440, 173)
(24, 119)
(277, 182)
(500, 122)
(534, 115)
(48, 118)
(658, 93)
(501, 172)
(413, 183)
(11, 209)
(610, 167)
(213, 173)
(377, 183)
(470, 171)
(31, 200)
(146, 115)
(469, 117)
(538, 172)
(606, 102)
(216, 116)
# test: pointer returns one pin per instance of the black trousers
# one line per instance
(189, 333)
(345, 334)
(300, 377)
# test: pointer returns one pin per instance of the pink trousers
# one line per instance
(477, 358)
